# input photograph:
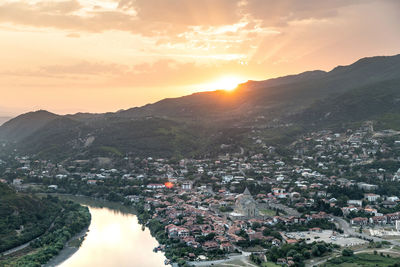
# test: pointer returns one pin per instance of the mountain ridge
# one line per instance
(192, 124)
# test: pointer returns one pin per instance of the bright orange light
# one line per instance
(228, 83)
(169, 185)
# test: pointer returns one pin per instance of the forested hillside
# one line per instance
(44, 224)
(198, 124)
(23, 217)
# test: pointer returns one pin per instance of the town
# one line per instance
(325, 195)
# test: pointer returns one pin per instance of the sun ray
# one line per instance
(228, 83)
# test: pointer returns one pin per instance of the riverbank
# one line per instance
(71, 220)
(69, 249)
(174, 251)
(114, 238)
(95, 202)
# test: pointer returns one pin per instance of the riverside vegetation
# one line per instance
(47, 223)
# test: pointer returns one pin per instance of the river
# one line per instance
(114, 238)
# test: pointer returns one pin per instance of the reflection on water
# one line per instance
(116, 239)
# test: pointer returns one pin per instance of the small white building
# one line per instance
(355, 202)
(372, 197)
(155, 186)
(393, 198)
(187, 185)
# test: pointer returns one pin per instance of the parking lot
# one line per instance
(327, 236)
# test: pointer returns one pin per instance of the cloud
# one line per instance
(62, 7)
(65, 71)
(61, 16)
(148, 18)
(163, 72)
(169, 18)
(280, 13)
(73, 35)
(85, 68)
(187, 12)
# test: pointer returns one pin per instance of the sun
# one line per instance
(228, 83)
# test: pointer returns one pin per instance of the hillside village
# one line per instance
(326, 189)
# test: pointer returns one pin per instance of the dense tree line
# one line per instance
(24, 217)
(299, 251)
(71, 220)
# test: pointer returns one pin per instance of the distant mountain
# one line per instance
(199, 123)
(285, 94)
(379, 102)
(4, 119)
(25, 125)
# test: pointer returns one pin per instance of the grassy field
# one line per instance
(267, 212)
(362, 260)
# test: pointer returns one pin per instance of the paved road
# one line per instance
(13, 250)
(242, 257)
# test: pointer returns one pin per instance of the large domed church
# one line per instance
(246, 205)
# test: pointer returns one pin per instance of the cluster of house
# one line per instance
(390, 218)
(315, 154)
(320, 160)
(382, 219)
(187, 219)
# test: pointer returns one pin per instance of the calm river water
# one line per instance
(115, 238)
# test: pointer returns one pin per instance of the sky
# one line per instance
(70, 56)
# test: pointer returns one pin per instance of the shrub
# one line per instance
(347, 252)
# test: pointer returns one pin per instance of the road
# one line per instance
(242, 257)
(20, 247)
(348, 230)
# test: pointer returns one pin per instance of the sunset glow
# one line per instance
(70, 56)
(228, 83)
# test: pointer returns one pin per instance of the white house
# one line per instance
(372, 197)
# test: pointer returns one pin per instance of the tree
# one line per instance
(291, 253)
(347, 252)
(307, 254)
(315, 251)
(256, 225)
(322, 248)
(297, 257)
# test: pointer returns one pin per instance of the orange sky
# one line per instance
(104, 55)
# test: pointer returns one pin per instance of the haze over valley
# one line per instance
(187, 133)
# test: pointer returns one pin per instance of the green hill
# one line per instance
(379, 102)
(198, 124)
(23, 217)
(46, 223)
